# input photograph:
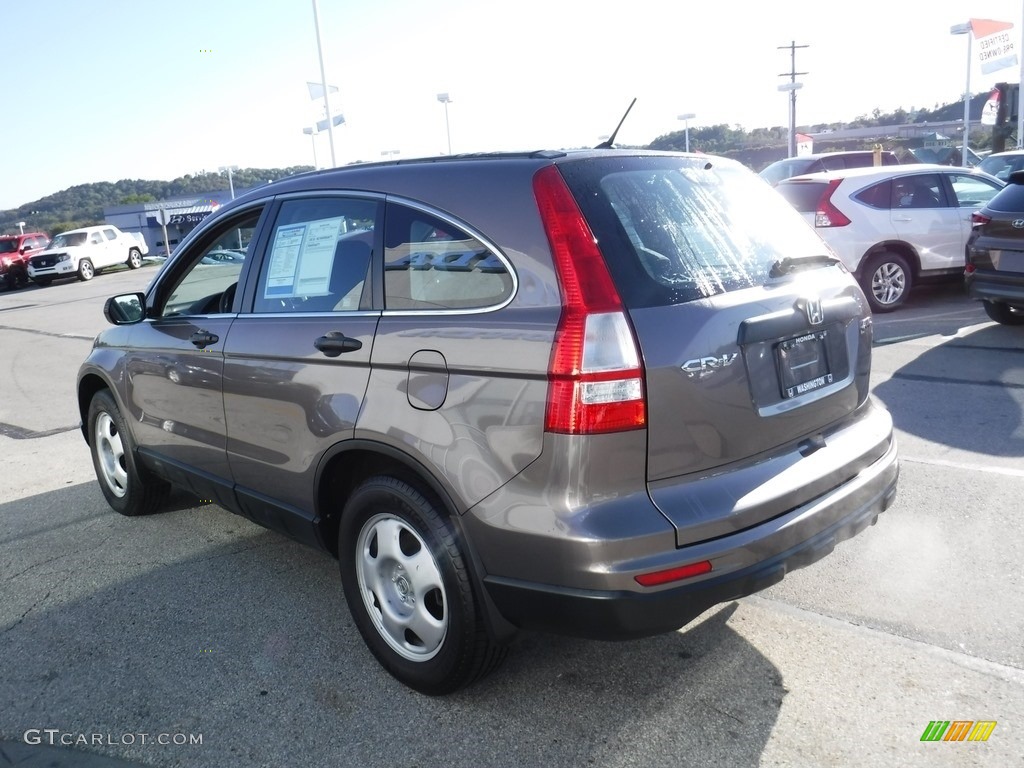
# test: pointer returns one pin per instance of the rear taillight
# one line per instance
(595, 381)
(979, 219)
(827, 215)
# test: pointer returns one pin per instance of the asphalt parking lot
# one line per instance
(233, 644)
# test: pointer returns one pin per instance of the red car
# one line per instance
(15, 251)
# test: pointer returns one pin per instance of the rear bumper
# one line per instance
(1007, 287)
(743, 563)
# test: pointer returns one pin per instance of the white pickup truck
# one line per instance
(83, 252)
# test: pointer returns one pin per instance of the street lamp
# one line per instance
(231, 183)
(445, 99)
(312, 132)
(686, 125)
(965, 29)
(792, 88)
(21, 227)
(388, 153)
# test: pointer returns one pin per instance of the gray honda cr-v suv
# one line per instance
(591, 392)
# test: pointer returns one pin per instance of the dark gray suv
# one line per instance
(591, 392)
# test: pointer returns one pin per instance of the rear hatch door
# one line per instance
(753, 338)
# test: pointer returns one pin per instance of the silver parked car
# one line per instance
(592, 392)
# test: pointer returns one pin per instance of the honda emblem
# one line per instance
(812, 307)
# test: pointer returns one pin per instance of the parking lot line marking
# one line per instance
(20, 433)
(1009, 471)
(47, 333)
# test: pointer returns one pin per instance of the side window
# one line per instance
(431, 264)
(836, 163)
(971, 191)
(318, 256)
(110, 234)
(918, 191)
(877, 195)
(95, 238)
(209, 282)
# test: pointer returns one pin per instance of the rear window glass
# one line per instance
(675, 230)
(803, 196)
(1010, 198)
(877, 195)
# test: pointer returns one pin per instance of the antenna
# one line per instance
(607, 144)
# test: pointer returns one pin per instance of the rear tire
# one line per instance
(127, 490)
(409, 589)
(86, 271)
(886, 280)
(1003, 314)
(134, 258)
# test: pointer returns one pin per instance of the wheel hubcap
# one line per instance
(401, 587)
(888, 283)
(110, 451)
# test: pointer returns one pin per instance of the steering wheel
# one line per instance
(227, 299)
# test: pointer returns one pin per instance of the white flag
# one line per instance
(316, 90)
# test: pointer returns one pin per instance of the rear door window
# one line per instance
(877, 195)
(674, 230)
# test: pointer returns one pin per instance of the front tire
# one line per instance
(409, 589)
(886, 281)
(86, 271)
(126, 489)
(1003, 314)
(134, 258)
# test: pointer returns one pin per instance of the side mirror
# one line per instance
(26, 248)
(126, 309)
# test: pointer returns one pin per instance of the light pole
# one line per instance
(965, 29)
(445, 99)
(21, 227)
(311, 132)
(323, 80)
(389, 153)
(686, 126)
(231, 183)
(792, 88)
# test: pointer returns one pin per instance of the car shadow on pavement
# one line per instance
(966, 393)
(194, 622)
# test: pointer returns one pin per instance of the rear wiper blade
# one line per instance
(789, 264)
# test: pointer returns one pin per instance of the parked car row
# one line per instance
(78, 253)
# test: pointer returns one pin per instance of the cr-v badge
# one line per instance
(707, 364)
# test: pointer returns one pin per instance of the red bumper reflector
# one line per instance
(674, 574)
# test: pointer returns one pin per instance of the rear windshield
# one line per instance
(783, 169)
(678, 229)
(803, 195)
(1010, 199)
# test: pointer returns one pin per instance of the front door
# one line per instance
(176, 367)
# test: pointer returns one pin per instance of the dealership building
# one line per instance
(183, 215)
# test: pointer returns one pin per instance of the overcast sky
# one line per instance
(118, 89)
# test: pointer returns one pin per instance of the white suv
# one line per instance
(891, 226)
(81, 252)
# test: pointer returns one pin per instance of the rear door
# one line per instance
(298, 357)
(923, 215)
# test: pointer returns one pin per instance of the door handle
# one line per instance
(203, 339)
(902, 218)
(334, 343)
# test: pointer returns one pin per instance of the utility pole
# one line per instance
(792, 86)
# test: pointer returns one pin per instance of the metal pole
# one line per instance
(323, 81)
(792, 123)
(447, 127)
(967, 105)
(686, 125)
(231, 183)
(312, 139)
(1020, 112)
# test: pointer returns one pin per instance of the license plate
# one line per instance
(803, 364)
